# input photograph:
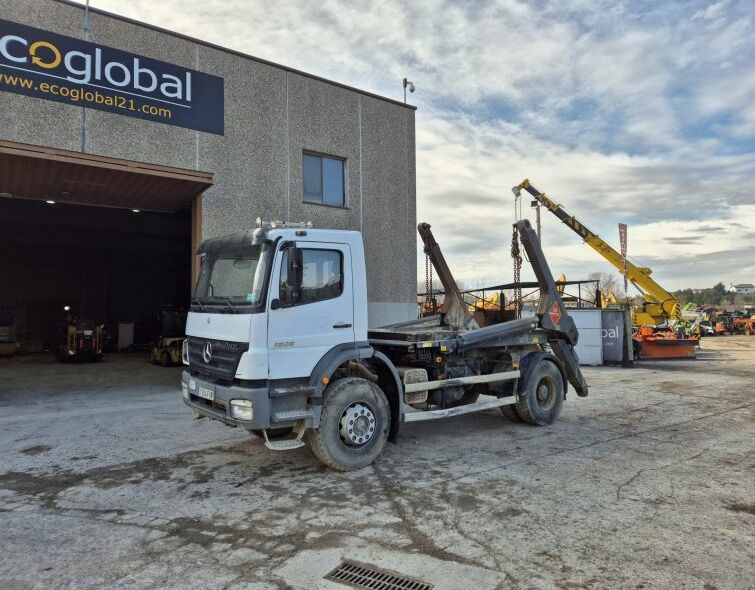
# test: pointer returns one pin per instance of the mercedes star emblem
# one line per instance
(207, 352)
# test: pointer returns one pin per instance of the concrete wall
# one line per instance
(271, 116)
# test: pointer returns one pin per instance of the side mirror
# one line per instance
(294, 275)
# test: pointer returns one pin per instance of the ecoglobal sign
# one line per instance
(54, 67)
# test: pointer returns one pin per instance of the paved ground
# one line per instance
(107, 482)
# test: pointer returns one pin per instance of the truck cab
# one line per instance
(278, 341)
(271, 305)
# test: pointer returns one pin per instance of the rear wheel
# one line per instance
(354, 424)
(509, 410)
(165, 359)
(541, 402)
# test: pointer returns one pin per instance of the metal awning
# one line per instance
(42, 173)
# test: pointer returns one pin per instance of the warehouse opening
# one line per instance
(97, 253)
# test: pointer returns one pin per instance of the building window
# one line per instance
(324, 180)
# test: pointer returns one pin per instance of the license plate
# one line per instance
(206, 393)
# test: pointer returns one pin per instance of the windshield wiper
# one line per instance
(231, 305)
(198, 302)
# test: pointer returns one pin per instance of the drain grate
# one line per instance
(365, 576)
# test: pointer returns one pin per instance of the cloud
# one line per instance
(683, 240)
(641, 113)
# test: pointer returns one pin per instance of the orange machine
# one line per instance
(663, 344)
(745, 325)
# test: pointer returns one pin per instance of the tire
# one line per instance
(273, 433)
(351, 401)
(509, 410)
(543, 397)
(165, 359)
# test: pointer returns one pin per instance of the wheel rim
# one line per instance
(545, 393)
(357, 424)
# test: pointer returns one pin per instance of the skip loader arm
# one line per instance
(457, 314)
(551, 313)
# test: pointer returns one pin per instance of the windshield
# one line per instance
(233, 281)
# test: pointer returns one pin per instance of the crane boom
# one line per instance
(658, 304)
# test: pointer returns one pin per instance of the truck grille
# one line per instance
(224, 360)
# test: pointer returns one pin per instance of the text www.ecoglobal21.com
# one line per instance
(77, 95)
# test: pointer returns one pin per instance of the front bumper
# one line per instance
(220, 407)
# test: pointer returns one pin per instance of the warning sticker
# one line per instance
(555, 313)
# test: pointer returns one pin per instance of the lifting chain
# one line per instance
(516, 255)
(430, 304)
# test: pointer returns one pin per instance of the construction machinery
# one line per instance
(167, 351)
(79, 340)
(744, 325)
(660, 312)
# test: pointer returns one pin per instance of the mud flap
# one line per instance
(568, 356)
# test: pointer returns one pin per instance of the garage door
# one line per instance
(88, 239)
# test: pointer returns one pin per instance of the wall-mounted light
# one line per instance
(136, 210)
(66, 308)
(49, 202)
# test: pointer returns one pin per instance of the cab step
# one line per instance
(283, 445)
(286, 444)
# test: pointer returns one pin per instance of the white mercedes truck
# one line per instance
(278, 344)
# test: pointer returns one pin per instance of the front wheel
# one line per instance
(354, 424)
(543, 397)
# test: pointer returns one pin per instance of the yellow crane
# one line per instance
(658, 305)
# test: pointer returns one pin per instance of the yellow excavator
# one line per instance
(658, 305)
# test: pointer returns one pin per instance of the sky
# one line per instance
(638, 112)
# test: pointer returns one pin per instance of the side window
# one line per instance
(322, 277)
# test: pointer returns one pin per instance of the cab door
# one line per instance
(306, 320)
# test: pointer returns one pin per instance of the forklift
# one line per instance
(79, 340)
(166, 350)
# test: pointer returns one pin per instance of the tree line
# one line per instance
(715, 295)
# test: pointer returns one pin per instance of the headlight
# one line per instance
(241, 409)
(185, 352)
